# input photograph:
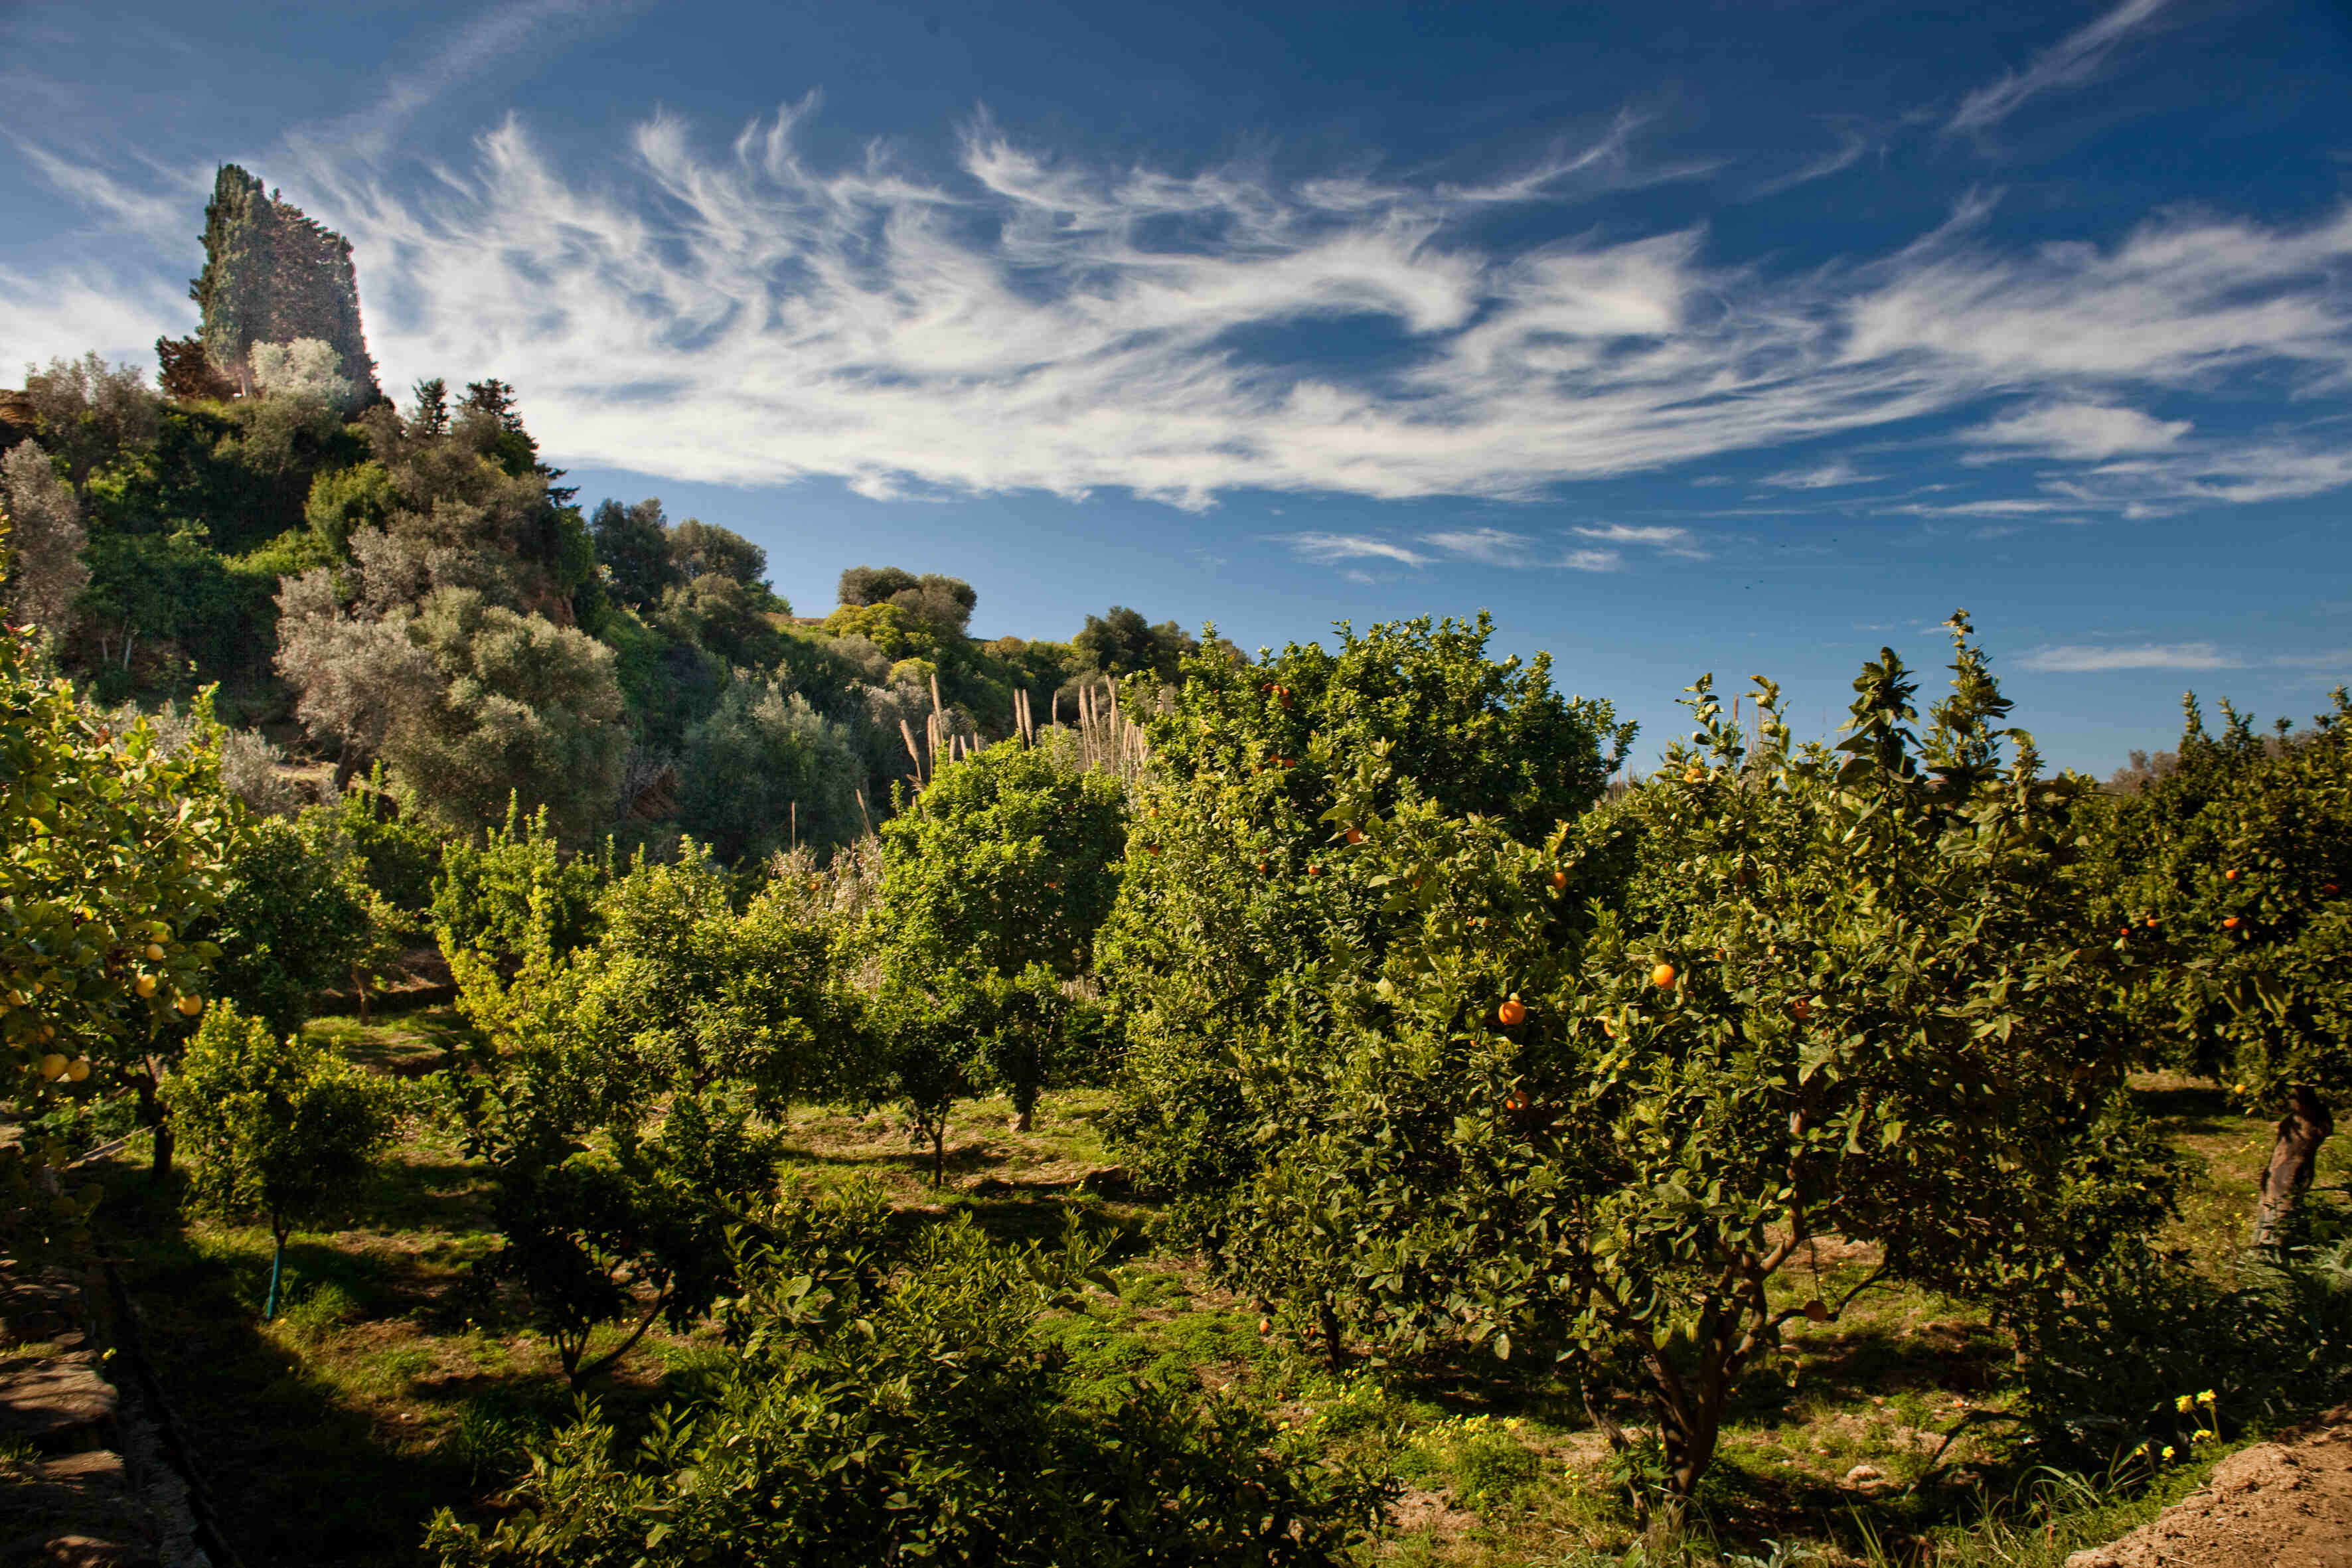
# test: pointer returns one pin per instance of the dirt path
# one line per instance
(2278, 1505)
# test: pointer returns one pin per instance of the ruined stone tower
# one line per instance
(272, 275)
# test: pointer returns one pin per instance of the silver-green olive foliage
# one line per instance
(1850, 993)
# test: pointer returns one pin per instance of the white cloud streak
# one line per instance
(2084, 430)
(2072, 61)
(1024, 323)
(2076, 659)
(1329, 549)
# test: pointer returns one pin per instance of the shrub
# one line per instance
(916, 1415)
(515, 893)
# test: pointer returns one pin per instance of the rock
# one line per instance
(1862, 1473)
(60, 1403)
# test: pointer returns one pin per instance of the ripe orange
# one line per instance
(1663, 977)
(144, 985)
(1265, 1325)
(1314, 870)
(1519, 1100)
(1802, 1008)
(155, 952)
(1355, 836)
(2151, 922)
(2328, 888)
(189, 1005)
(1261, 868)
(2229, 924)
(2229, 876)
(1512, 1013)
(1560, 878)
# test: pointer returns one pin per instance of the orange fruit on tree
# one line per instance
(1512, 1013)
(53, 1067)
(1802, 1008)
(1355, 836)
(2229, 875)
(78, 1070)
(2151, 922)
(2328, 888)
(155, 952)
(1663, 977)
(1314, 870)
(144, 985)
(1560, 878)
(189, 1005)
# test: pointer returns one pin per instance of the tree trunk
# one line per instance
(151, 1116)
(2293, 1153)
(939, 1154)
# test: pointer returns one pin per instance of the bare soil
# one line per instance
(2277, 1505)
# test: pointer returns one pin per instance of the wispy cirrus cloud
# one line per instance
(1487, 546)
(1831, 475)
(2072, 658)
(1666, 539)
(1027, 321)
(2069, 62)
(1329, 549)
(1496, 547)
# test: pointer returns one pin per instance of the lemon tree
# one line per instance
(2225, 883)
(111, 849)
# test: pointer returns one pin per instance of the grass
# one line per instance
(384, 1390)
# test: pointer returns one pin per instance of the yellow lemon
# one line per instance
(53, 1067)
(189, 1005)
(78, 1070)
(155, 952)
(144, 985)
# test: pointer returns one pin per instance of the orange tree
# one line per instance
(2225, 879)
(623, 1093)
(1852, 993)
(1238, 927)
(995, 880)
(111, 850)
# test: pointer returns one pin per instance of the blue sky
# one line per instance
(1740, 337)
